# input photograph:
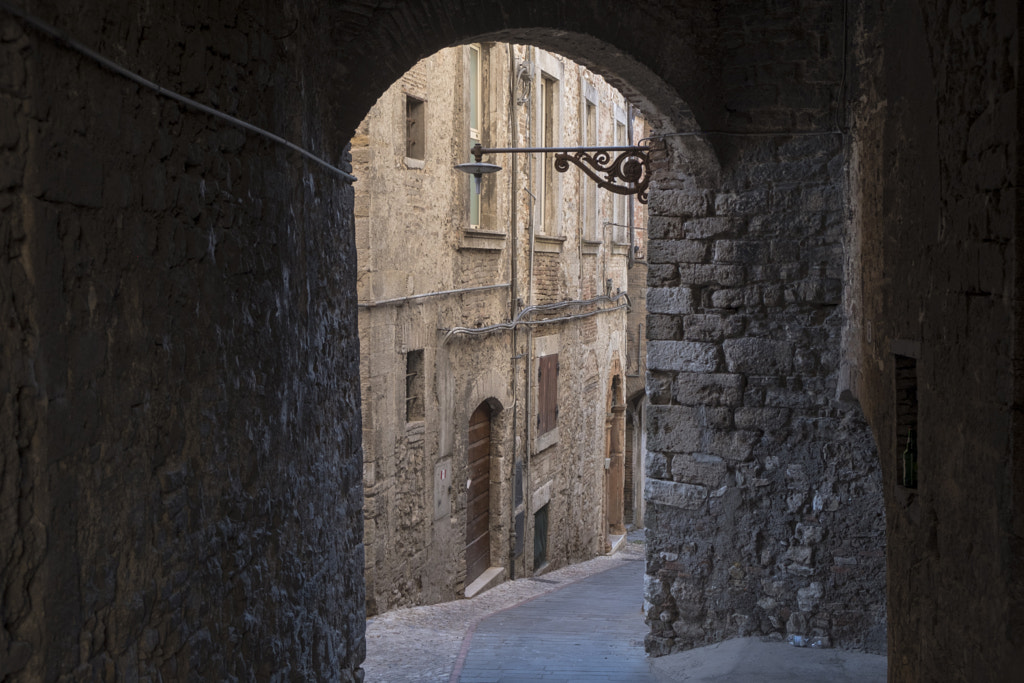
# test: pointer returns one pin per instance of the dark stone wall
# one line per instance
(935, 197)
(764, 496)
(765, 501)
(180, 460)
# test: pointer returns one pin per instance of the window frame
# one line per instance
(620, 207)
(474, 103)
(421, 138)
(589, 136)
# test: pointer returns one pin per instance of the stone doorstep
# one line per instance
(615, 542)
(491, 577)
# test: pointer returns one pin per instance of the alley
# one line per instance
(602, 641)
(581, 623)
(427, 644)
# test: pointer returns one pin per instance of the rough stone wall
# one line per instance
(935, 196)
(763, 491)
(181, 485)
(764, 500)
(313, 75)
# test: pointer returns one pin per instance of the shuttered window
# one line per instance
(547, 393)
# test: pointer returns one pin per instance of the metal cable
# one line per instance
(70, 42)
(528, 323)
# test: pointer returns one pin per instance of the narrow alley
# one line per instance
(581, 623)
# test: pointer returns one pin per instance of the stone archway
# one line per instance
(203, 321)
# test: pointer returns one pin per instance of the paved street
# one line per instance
(423, 644)
(591, 630)
(579, 624)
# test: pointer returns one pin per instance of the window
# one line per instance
(475, 124)
(906, 421)
(547, 393)
(415, 128)
(540, 538)
(620, 202)
(548, 121)
(590, 227)
(414, 410)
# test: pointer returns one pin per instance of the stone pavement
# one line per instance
(591, 630)
(423, 644)
(580, 623)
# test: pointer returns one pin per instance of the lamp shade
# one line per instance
(478, 168)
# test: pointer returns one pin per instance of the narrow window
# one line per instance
(590, 230)
(414, 386)
(619, 201)
(415, 128)
(547, 393)
(548, 138)
(475, 125)
(906, 421)
(540, 538)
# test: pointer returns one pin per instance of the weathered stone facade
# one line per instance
(435, 277)
(764, 500)
(181, 470)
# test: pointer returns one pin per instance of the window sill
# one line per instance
(591, 247)
(414, 163)
(485, 240)
(620, 248)
(547, 243)
(545, 440)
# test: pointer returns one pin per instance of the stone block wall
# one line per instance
(180, 462)
(164, 464)
(763, 492)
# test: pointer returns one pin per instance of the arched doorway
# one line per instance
(478, 500)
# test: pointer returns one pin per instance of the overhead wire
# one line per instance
(63, 38)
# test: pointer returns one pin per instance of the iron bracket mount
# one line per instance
(624, 170)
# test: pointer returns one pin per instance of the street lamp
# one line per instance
(478, 169)
(628, 173)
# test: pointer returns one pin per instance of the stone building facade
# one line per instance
(180, 425)
(493, 326)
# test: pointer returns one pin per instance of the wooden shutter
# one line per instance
(547, 393)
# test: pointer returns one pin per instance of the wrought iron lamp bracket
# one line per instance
(622, 170)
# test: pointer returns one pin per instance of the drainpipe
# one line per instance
(513, 300)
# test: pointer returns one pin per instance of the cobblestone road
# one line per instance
(422, 644)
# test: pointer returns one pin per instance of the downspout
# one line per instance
(529, 185)
(513, 299)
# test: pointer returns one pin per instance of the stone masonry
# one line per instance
(180, 461)
(764, 499)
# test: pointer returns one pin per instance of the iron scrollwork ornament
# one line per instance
(628, 173)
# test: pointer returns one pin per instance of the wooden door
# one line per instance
(478, 506)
